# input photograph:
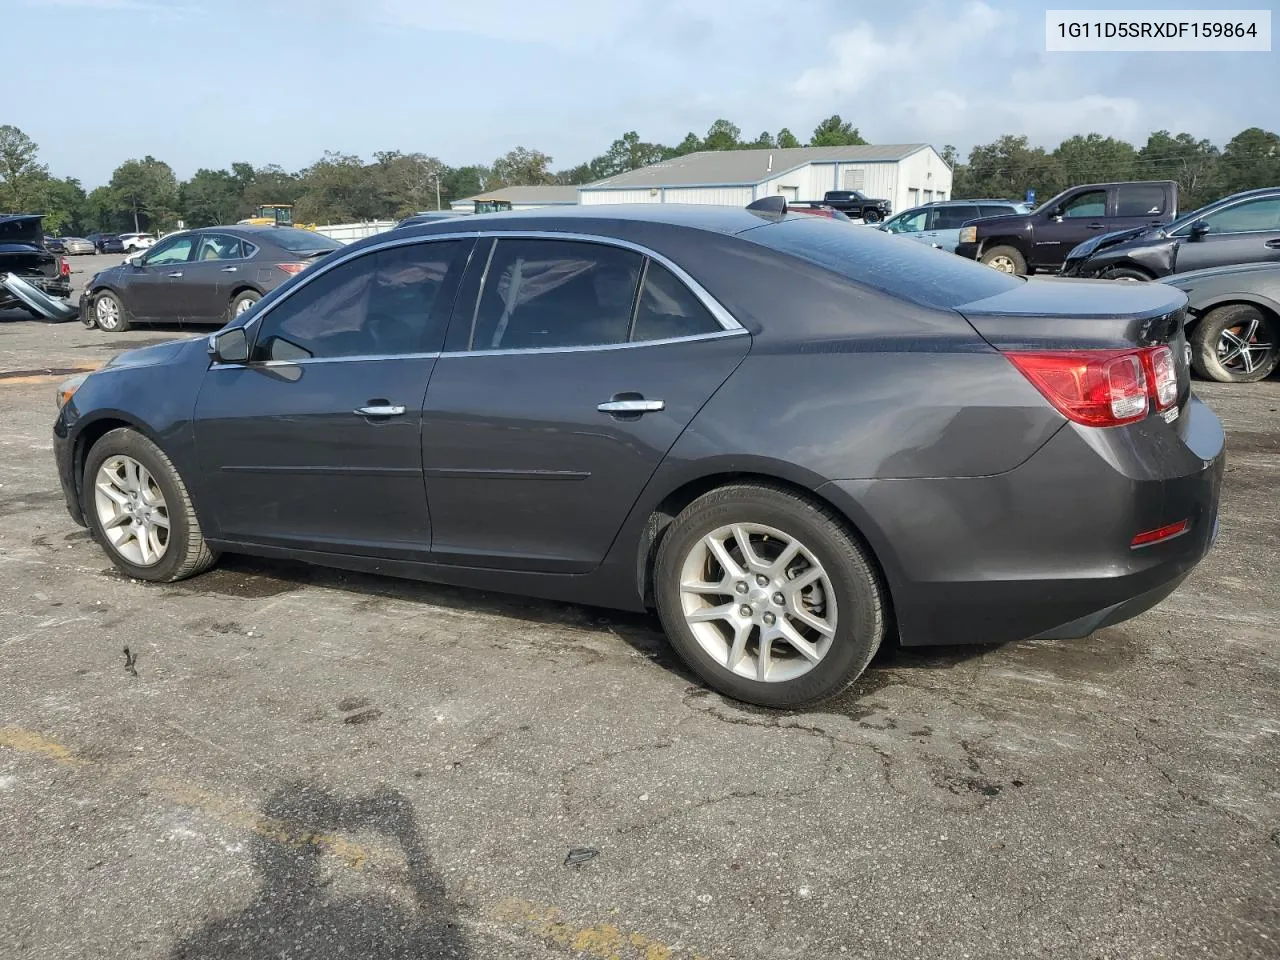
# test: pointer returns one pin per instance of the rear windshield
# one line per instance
(301, 241)
(898, 266)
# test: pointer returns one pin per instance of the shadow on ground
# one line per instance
(297, 913)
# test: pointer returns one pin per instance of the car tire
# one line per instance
(185, 552)
(1006, 259)
(871, 216)
(708, 623)
(242, 302)
(1126, 273)
(1217, 339)
(109, 313)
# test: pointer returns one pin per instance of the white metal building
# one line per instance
(521, 198)
(905, 174)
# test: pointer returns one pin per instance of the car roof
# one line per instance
(593, 217)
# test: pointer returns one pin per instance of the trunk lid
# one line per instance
(1054, 314)
(27, 261)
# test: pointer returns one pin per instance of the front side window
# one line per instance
(1090, 204)
(908, 222)
(668, 309)
(385, 303)
(1248, 217)
(555, 293)
(175, 250)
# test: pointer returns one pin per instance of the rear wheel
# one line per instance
(139, 510)
(767, 596)
(1236, 343)
(871, 216)
(109, 313)
(1006, 259)
(242, 302)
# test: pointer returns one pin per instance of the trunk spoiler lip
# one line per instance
(1049, 297)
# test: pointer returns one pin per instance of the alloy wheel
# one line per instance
(243, 305)
(107, 313)
(758, 601)
(1003, 264)
(1239, 349)
(132, 511)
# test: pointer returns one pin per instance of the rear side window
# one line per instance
(951, 218)
(667, 308)
(218, 246)
(555, 293)
(1140, 200)
(386, 303)
(914, 272)
(998, 209)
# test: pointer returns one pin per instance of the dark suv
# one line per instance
(1041, 239)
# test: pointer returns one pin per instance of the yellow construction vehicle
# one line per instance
(277, 215)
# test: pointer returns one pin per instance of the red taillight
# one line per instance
(292, 268)
(64, 268)
(1159, 533)
(1098, 388)
(1163, 375)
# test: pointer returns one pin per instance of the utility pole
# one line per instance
(437, 189)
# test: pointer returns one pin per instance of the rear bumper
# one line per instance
(1043, 550)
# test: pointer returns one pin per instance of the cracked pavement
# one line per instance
(341, 765)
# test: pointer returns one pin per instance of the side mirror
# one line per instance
(1199, 229)
(229, 346)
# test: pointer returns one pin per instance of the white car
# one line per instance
(136, 241)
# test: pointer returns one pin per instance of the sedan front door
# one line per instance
(149, 291)
(564, 384)
(315, 444)
(1245, 232)
(203, 294)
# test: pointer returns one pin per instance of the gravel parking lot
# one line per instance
(298, 762)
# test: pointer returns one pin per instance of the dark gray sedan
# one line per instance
(796, 440)
(200, 277)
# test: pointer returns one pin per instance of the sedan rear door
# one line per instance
(570, 370)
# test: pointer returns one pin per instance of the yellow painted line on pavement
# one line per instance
(27, 741)
(604, 941)
(37, 377)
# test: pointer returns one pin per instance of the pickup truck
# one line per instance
(854, 205)
(1041, 239)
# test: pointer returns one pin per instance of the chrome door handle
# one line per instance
(175, 275)
(631, 406)
(228, 269)
(380, 410)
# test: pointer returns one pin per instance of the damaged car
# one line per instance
(31, 277)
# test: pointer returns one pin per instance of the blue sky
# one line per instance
(207, 82)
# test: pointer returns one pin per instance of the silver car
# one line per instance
(76, 246)
(938, 224)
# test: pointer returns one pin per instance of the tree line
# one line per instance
(145, 194)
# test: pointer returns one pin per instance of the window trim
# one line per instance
(1185, 231)
(730, 325)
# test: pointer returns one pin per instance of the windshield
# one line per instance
(302, 241)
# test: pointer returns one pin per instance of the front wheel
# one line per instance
(1006, 259)
(1236, 343)
(768, 597)
(1126, 273)
(109, 313)
(139, 510)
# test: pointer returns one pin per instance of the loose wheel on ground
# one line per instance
(1006, 259)
(767, 596)
(139, 510)
(1236, 343)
